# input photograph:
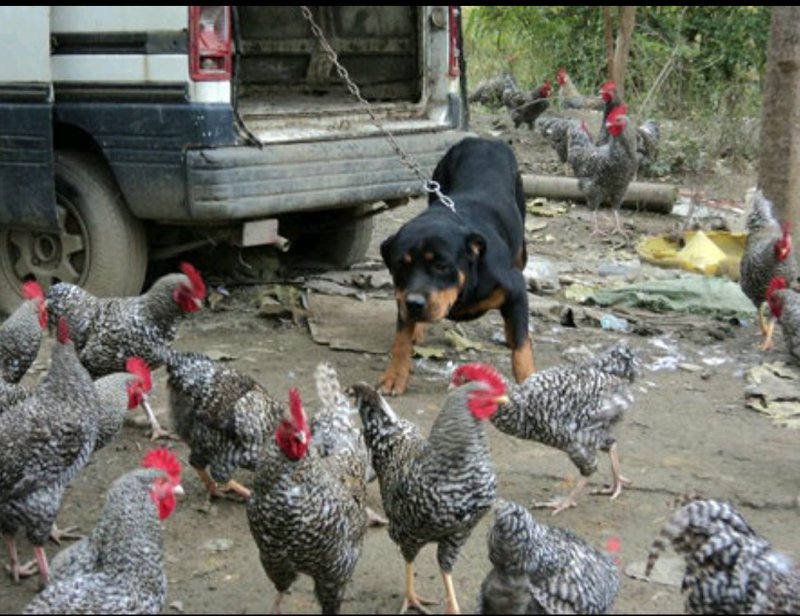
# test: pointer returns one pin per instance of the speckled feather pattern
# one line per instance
(434, 490)
(107, 331)
(556, 131)
(119, 567)
(729, 568)
(604, 172)
(20, 339)
(224, 416)
(790, 320)
(759, 264)
(540, 569)
(309, 516)
(112, 394)
(44, 442)
(572, 408)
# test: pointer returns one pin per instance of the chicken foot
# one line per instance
(57, 535)
(412, 599)
(157, 432)
(232, 490)
(617, 480)
(560, 504)
(769, 332)
(13, 567)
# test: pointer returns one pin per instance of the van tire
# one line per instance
(100, 246)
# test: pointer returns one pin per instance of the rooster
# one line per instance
(107, 331)
(21, 334)
(307, 512)
(572, 408)
(224, 416)
(730, 569)
(490, 92)
(571, 98)
(648, 134)
(556, 131)
(44, 442)
(525, 107)
(784, 304)
(604, 172)
(539, 569)
(767, 254)
(118, 393)
(434, 490)
(119, 567)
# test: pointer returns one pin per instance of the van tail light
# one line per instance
(210, 43)
(454, 55)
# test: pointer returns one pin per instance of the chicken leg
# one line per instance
(559, 505)
(157, 431)
(223, 491)
(412, 599)
(617, 480)
(770, 331)
(57, 535)
(452, 603)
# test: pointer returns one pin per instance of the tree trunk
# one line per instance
(627, 19)
(778, 174)
(609, 35)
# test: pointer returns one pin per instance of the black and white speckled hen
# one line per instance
(604, 172)
(490, 92)
(556, 132)
(224, 416)
(434, 490)
(540, 569)
(767, 253)
(21, 334)
(45, 441)
(730, 569)
(648, 134)
(573, 408)
(571, 98)
(784, 304)
(307, 512)
(119, 567)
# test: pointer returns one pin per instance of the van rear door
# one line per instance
(27, 186)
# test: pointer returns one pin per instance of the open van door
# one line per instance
(27, 185)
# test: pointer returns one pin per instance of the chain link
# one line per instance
(428, 185)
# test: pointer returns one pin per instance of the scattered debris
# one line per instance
(774, 389)
(217, 545)
(282, 300)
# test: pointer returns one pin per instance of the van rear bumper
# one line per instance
(235, 183)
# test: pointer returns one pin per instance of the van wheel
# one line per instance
(99, 246)
(339, 238)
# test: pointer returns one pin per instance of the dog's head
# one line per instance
(430, 259)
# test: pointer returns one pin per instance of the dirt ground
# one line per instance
(688, 430)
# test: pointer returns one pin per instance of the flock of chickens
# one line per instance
(307, 504)
(604, 166)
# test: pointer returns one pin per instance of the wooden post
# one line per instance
(778, 174)
(609, 37)
(627, 19)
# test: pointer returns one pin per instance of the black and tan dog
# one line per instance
(460, 264)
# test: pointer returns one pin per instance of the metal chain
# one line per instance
(428, 185)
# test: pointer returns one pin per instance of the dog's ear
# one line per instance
(386, 248)
(476, 246)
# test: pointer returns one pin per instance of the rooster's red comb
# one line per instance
(165, 460)
(546, 88)
(63, 331)
(616, 112)
(561, 75)
(776, 284)
(479, 372)
(198, 285)
(296, 407)
(139, 368)
(32, 290)
(608, 86)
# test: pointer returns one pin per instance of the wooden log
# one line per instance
(647, 196)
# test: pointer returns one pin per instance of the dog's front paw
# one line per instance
(394, 381)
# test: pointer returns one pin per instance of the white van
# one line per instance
(136, 132)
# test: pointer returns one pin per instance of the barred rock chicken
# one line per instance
(119, 567)
(571, 98)
(307, 512)
(21, 334)
(767, 254)
(525, 107)
(648, 134)
(604, 172)
(540, 569)
(118, 393)
(434, 490)
(224, 416)
(573, 408)
(107, 331)
(729, 568)
(784, 304)
(490, 92)
(556, 131)
(44, 442)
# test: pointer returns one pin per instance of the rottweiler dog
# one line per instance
(461, 264)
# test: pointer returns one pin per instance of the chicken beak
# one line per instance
(178, 490)
(504, 399)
